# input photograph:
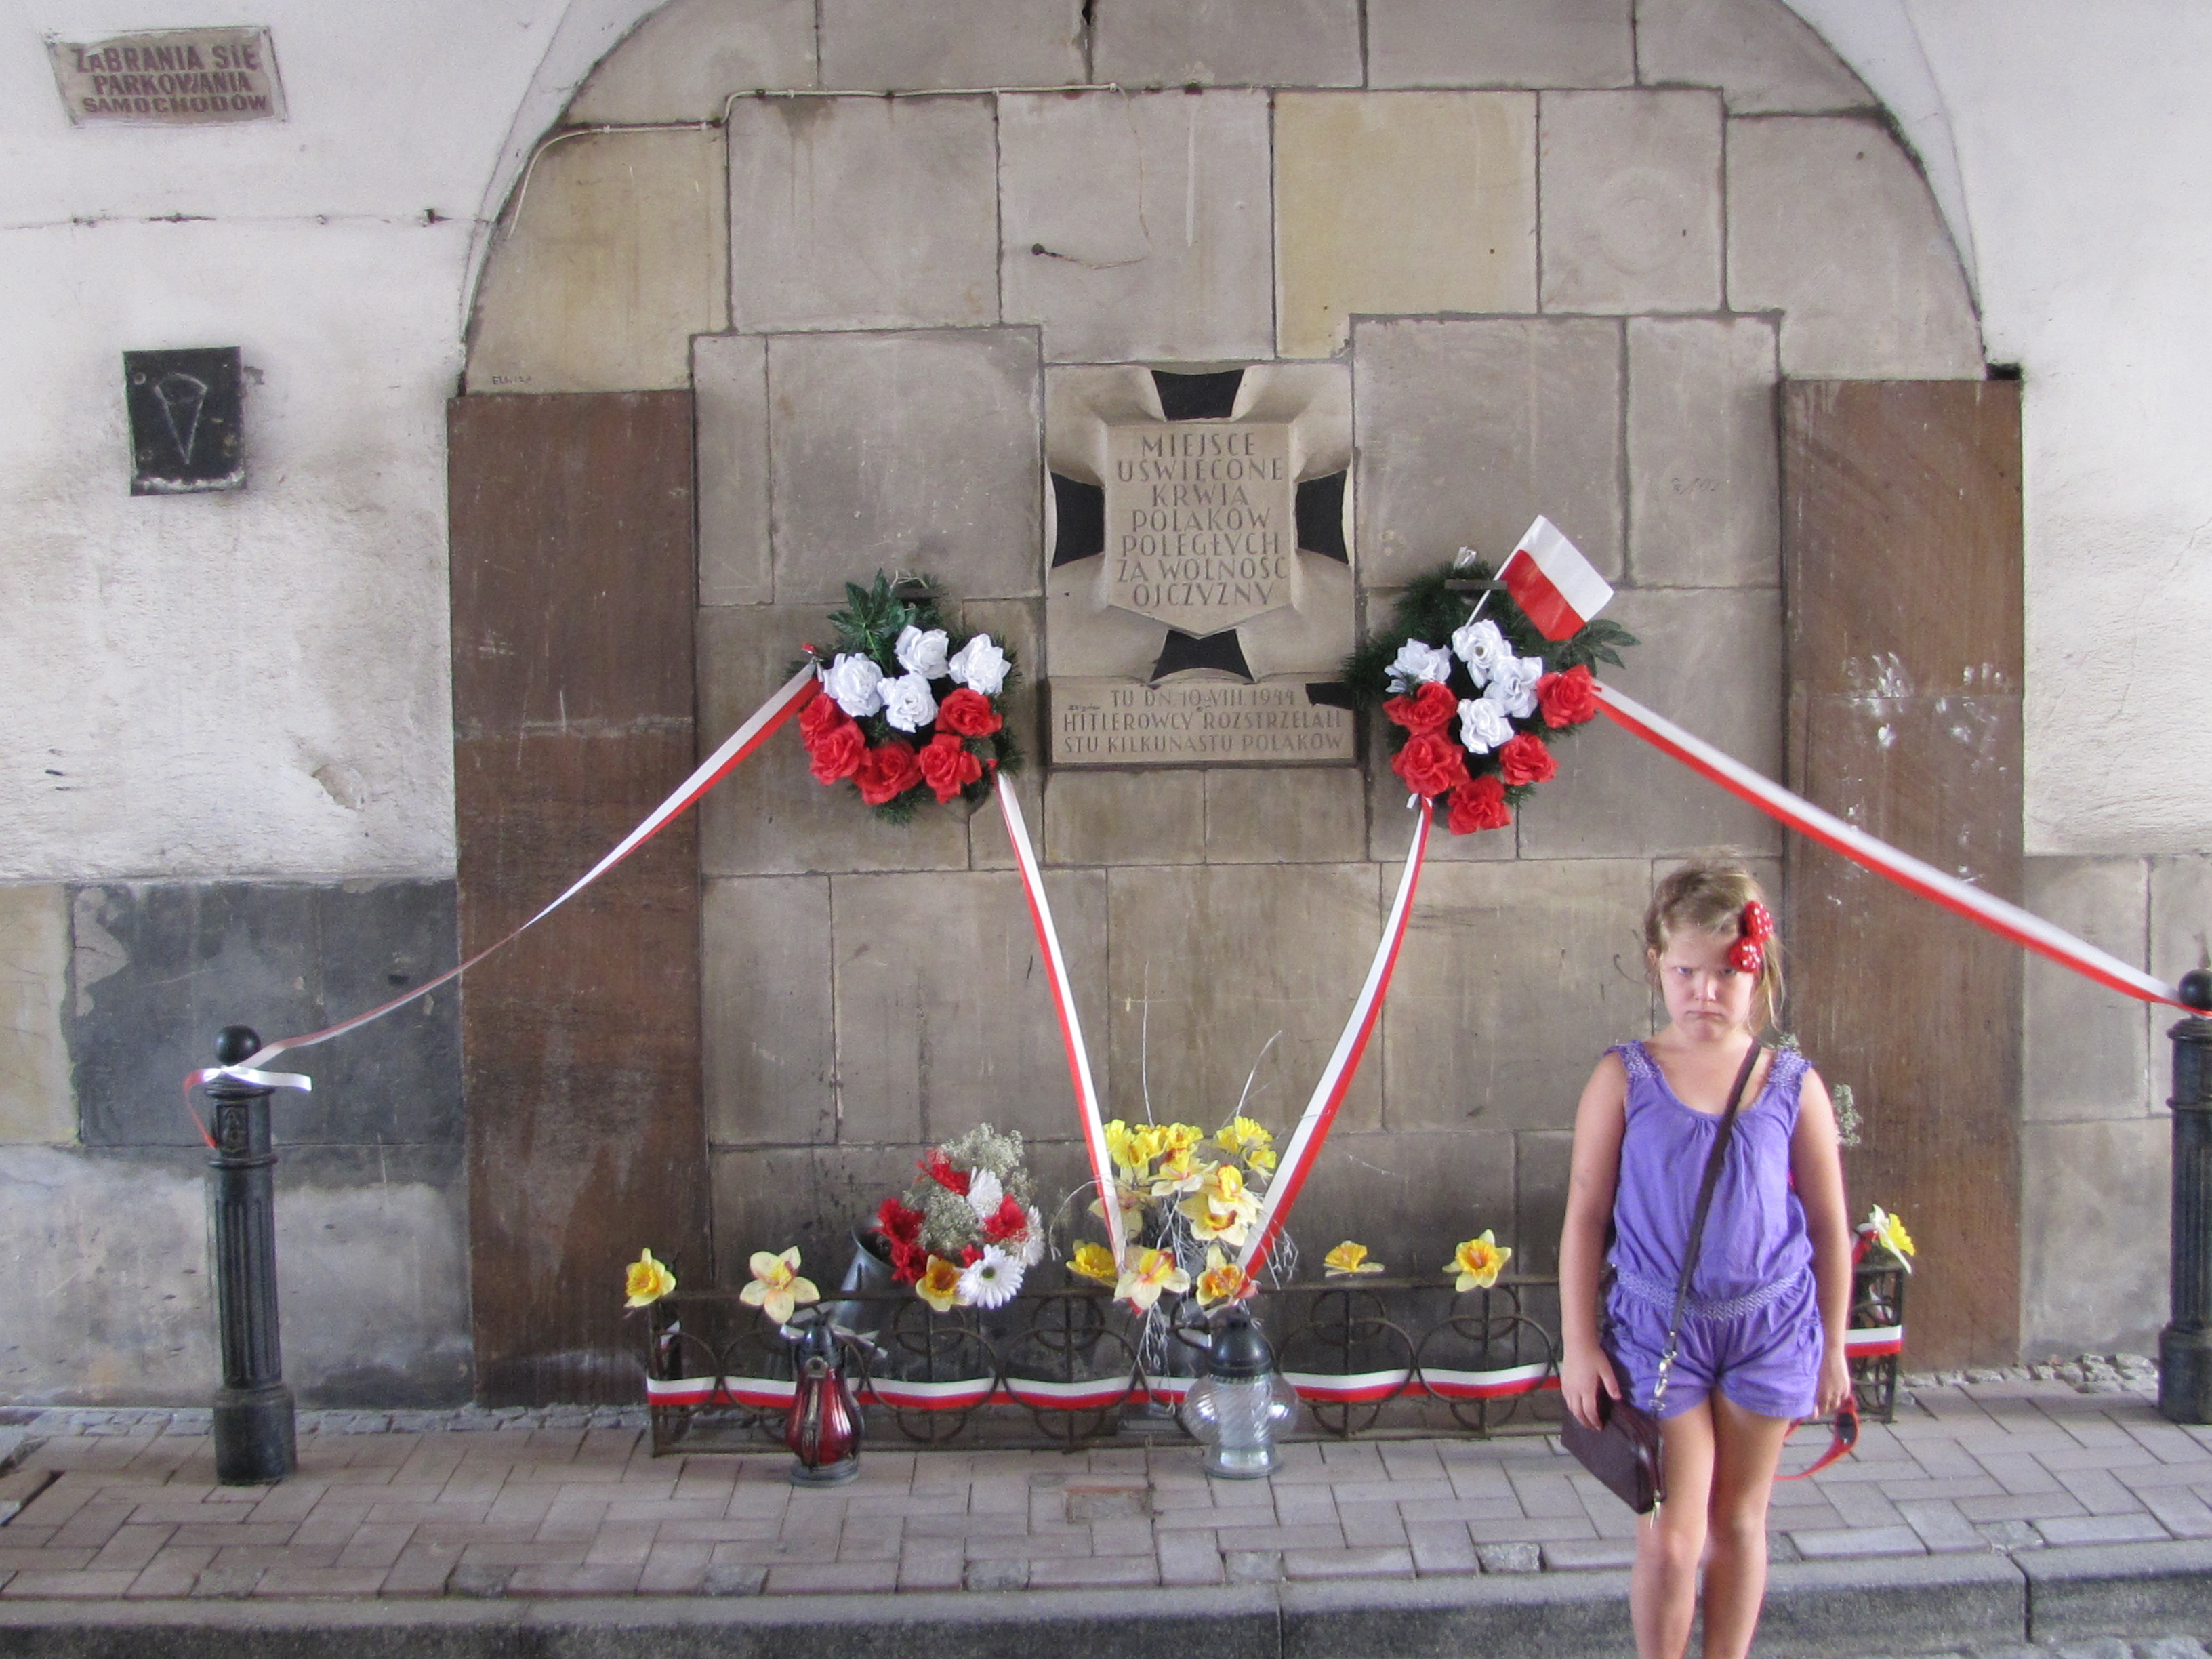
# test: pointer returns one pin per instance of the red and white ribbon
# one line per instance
(740, 743)
(1959, 897)
(1305, 1143)
(1063, 1004)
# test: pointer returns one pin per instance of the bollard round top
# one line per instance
(236, 1043)
(2196, 989)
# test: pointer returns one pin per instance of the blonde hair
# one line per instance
(1709, 895)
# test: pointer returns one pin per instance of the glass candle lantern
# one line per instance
(1242, 1400)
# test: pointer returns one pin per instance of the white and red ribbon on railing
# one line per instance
(740, 746)
(1959, 897)
(1314, 1124)
(1063, 1004)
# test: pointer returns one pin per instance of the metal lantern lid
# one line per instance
(1238, 1353)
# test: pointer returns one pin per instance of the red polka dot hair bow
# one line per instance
(1748, 954)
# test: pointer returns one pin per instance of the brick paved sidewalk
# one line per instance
(133, 1512)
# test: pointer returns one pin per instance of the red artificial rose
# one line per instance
(946, 766)
(909, 1261)
(1525, 760)
(938, 1167)
(1431, 763)
(1567, 699)
(1008, 1221)
(1480, 804)
(820, 716)
(969, 713)
(1430, 707)
(897, 1222)
(836, 753)
(886, 772)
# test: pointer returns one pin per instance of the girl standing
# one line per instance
(1761, 1342)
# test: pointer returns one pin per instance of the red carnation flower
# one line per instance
(946, 766)
(938, 1167)
(836, 753)
(1480, 804)
(886, 772)
(1430, 707)
(969, 713)
(898, 1223)
(1008, 1221)
(1431, 763)
(909, 1261)
(1525, 760)
(821, 715)
(1567, 699)
(970, 1255)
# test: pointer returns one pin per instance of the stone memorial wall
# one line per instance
(1480, 261)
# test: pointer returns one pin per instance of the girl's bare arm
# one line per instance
(1600, 1120)
(1816, 1160)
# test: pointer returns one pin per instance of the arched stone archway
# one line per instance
(1568, 253)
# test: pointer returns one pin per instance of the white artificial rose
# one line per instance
(1415, 663)
(908, 703)
(1481, 645)
(1513, 685)
(984, 1192)
(921, 653)
(1482, 724)
(1033, 1240)
(855, 682)
(980, 666)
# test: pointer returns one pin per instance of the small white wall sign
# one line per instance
(169, 78)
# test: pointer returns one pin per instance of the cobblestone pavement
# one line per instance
(2094, 1647)
(105, 1504)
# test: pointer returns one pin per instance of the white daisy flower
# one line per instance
(992, 1280)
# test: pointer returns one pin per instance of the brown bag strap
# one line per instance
(1696, 1241)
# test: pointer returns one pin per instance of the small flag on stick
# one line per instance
(1555, 586)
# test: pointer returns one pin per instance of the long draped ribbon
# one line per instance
(1959, 897)
(1305, 1143)
(740, 743)
(1063, 1004)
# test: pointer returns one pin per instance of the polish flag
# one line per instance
(1552, 582)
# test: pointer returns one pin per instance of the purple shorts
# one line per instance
(1766, 1358)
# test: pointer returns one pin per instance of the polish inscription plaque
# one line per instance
(1201, 522)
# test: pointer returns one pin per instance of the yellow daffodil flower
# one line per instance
(1146, 1143)
(1246, 1138)
(1094, 1261)
(1117, 1145)
(647, 1280)
(1889, 1233)
(1260, 1156)
(1180, 1172)
(1146, 1274)
(1181, 1137)
(939, 1283)
(1347, 1259)
(1221, 1208)
(1479, 1261)
(1222, 1279)
(777, 1290)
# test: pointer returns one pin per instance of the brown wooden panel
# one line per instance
(572, 595)
(1902, 554)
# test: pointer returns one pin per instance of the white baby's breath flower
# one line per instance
(921, 651)
(980, 666)
(856, 682)
(984, 1193)
(1416, 662)
(1482, 724)
(908, 702)
(1481, 645)
(992, 1280)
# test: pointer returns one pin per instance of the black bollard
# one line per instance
(2184, 1347)
(254, 1419)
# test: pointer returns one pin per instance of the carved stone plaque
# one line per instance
(1201, 522)
(1199, 604)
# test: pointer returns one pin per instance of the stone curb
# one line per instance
(1815, 1610)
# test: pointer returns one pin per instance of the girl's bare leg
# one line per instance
(1747, 1446)
(1662, 1590)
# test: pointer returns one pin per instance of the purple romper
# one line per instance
(1751, 1328)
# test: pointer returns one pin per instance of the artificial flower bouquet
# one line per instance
(968, 1231)
(910, 706)
(1185, 1194)
(1475, 695)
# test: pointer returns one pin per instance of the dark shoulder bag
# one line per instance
(1623, 1451)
